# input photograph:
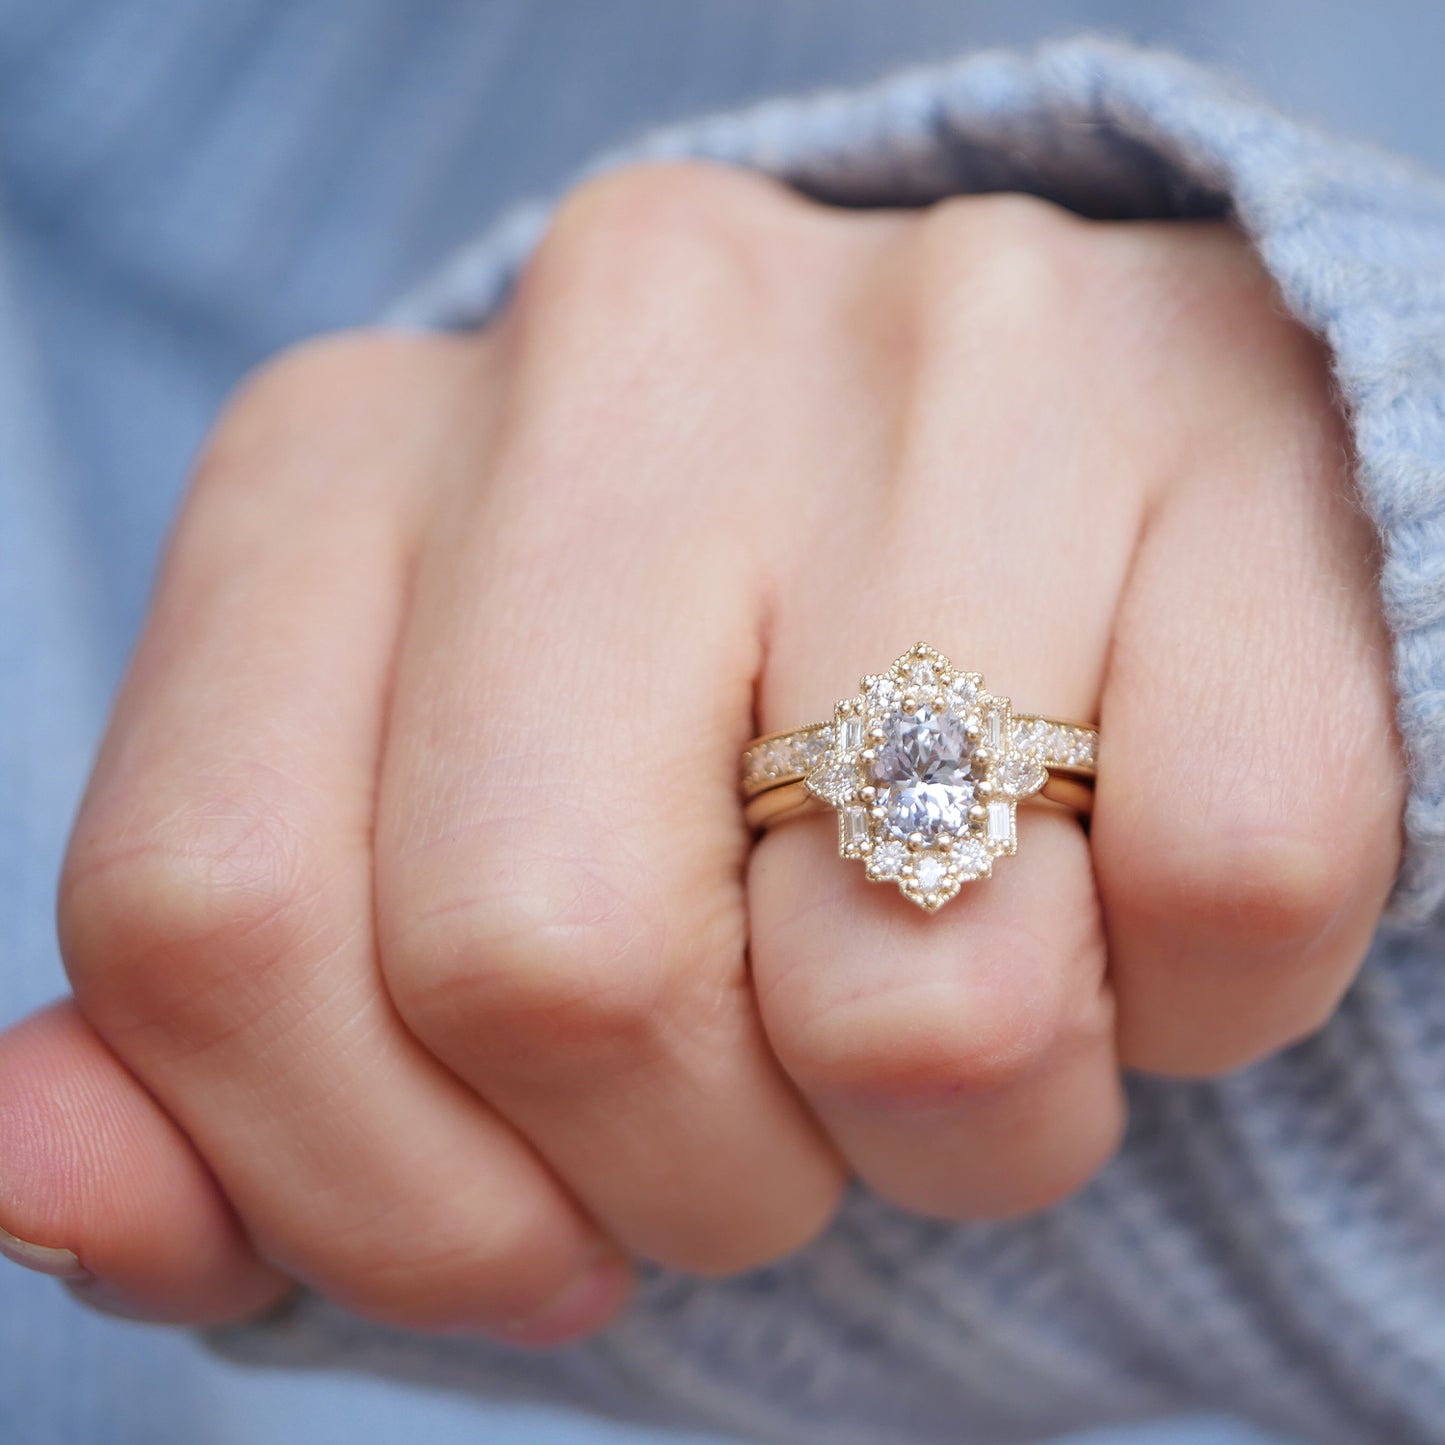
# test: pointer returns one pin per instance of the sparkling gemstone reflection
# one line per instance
(924, 773)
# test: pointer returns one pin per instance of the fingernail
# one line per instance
(577, 1308)
(59, 1263)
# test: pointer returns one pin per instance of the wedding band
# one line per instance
(925, 769)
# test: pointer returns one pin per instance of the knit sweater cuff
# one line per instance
(1354, 239)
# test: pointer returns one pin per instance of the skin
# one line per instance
(420, 953)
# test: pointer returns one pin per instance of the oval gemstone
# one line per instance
(924, 773)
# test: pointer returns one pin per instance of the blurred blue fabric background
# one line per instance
(186, 185)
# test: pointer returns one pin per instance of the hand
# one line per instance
(418, 949)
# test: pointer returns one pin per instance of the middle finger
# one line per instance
(559, 854)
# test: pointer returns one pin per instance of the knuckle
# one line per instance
(1098, 1140)
(1008, 219)
(1014, 257)
(666, 246)
(1035, 1184)
(644, 198)
(410, 1289)
(157, 921)
(866, 1064)
(301, 420)
(938, 1049)
(775, 1229)
(342, 370)
(1263, 893)
(430, 1273)
(562, 965)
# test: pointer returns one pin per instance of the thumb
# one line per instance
(99, 1188)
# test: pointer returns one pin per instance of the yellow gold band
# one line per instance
(1067, 749)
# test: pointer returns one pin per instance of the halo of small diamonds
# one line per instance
(925, 768)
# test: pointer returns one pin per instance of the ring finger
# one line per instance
(962, 1060)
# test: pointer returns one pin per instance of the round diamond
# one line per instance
(964, 691)
(925, 771)
(882, 693)
(778, 758)
(887, 860)
(970, 857)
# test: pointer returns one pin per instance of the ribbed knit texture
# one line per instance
(1272, 1242)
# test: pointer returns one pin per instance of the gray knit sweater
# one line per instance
(1272, 1242)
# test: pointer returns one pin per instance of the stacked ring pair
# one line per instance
(926, 770)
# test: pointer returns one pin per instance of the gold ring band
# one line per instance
(776, 765)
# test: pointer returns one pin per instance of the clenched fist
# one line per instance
(421, 952)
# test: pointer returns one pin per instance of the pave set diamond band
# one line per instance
(925, 769)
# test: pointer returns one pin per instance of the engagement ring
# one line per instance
(926, 770)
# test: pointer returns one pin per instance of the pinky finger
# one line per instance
(100, 1188)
